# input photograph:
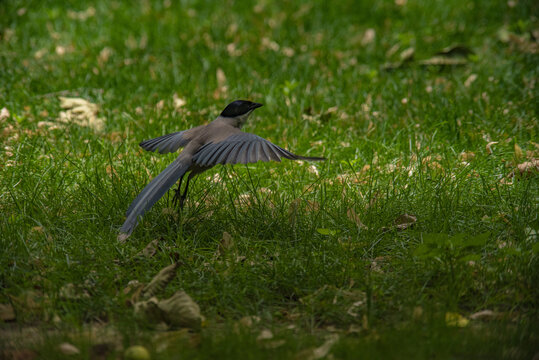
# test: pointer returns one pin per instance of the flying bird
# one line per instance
(219, 142)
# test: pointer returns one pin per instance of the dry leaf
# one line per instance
(4, 114)
(68, 349)
(80, 112)
(443, 61)
(178, 102)
(265, 334)
(466, 156)
(68, 291)
(248, 321)
(321, 351)
(150, 249)
(368, 37)
(160, 281)
(489, 147)
(181, 311)
(528, 167)
(351, 213)
(470, 80)
(405, 221)
(226, 243)
(456, 320)
(518, 152)
(6, 312)
(483, 315)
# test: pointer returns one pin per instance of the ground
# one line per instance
(416, 238)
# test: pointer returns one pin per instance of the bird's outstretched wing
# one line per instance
(167, 143)
(243, 148)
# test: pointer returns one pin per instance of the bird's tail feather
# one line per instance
(151, 193)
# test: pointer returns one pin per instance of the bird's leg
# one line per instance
(184, 195)
(177, 196)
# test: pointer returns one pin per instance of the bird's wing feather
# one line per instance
(167, 143)
(243, 148)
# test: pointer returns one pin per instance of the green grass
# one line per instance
(393, 140)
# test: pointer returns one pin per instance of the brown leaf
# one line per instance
(150, 249)
(160, 281)
(181, 311)
(528, 167)
(319, 352)
(489, 147)
(4, 114)
(405, 221)
(6, 312)
(466, 156)
(351, 213)
(68, 349)
(443, 61)
(81, 112)
(226, 242)
(519, 154)
(265, 334)
(483, 315)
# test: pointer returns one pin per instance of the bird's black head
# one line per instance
(239, 108)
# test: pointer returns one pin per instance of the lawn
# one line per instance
(417, 237)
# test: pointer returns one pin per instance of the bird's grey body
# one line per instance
(219, 142)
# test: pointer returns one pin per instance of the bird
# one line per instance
(218, 142)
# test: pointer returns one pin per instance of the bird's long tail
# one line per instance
(151, 193)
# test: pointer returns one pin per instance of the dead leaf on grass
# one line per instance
(81, 112)
(528, 167)
(488, 147)
(150, 249)
(405, 221)
(178, 102)
(319, 352)
(181, 311)
(354, 217)
(265, 334)
(68, 349)
(160, 281)
(4, 114)
(484, 315)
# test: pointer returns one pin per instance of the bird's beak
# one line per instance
(255, 105)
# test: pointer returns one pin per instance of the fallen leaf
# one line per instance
(351, 213)
(466, 156)
(483, 315)
(368, 37)
(326, 231)
(4, 114)
(6, 312)
(443, 61)
(150, 249)
(468, 82)
(528, 167)
(160, 281)
(405, 221)
(489, 147)
(178, 102)
(70, 292)
(518, 152)
(265, 334)
(80, 112)
(226, 243)
(456, 320)
(248, 321)
(321, 351)
(68, 349)
(181, 311)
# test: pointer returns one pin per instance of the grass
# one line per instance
(394, 139)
